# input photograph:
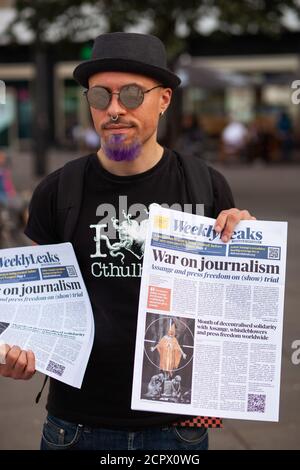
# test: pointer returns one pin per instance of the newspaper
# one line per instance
(210, 318)
(44, 307)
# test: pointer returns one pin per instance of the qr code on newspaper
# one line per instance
(256, 403)
(71, 271)
(273, 252)
(57, 369)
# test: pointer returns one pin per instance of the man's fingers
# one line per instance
(228, 219)
(12, 357)
(221, 220)
(4, 348)
(30, 368)
(20, 365)
(233, 219)
(245, 215)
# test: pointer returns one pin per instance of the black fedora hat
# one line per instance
(127, 52)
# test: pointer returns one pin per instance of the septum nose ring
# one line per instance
(114, 118)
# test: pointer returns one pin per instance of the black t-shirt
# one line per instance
(110, 263)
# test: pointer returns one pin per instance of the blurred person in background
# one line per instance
(91, 139)
(267, 141)
(253, 142)
(129, 87)
(233, 141)
(12, 206)
(261, 142)
(7, 188)
(191, 136)
(284, 129)
(7, 192)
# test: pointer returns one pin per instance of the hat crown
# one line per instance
(143, 54)
(142, 48)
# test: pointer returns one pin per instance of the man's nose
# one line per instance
(115, 108)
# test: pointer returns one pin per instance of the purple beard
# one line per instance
(115, 150)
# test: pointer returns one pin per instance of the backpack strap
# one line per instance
(199, 181)
(69, 196)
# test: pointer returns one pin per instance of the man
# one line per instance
(129, 88)
(234, 140)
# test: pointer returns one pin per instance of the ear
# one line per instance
(165, 99)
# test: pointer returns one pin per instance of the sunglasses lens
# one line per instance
(131, 96)
(98, 97)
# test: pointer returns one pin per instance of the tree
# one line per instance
(171, 20)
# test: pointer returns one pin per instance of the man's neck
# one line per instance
(147, 159)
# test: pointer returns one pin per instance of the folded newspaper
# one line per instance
(44, 307)
(210, 318)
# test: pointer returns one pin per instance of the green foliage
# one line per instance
(78, 20)
(254, 16)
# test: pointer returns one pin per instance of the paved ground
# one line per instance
(271, 193)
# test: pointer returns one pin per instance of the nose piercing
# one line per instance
(114, 118)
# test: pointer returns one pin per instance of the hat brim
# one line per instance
(86, 69)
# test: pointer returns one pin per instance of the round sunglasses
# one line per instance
(130, 96)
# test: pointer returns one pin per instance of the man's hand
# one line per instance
(19, 364)
(228, 219)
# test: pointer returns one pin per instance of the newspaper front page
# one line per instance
(210, 318)
(44, 307)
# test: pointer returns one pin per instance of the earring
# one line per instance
(161, 113)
